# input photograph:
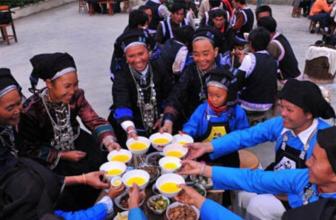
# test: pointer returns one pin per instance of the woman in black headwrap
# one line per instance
(49, 129)
(28, 190)
(138, 90)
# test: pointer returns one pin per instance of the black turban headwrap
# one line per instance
(307, 96)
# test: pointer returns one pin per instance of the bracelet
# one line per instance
(132, 130)
(84, 178)
(202, 169)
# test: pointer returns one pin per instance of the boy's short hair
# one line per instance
(137, 17)
(263, 8)
(243, 2)
(259, 38)
(214, 3)
(184, 34)
(145, 7)
(219, 13)
(269, 23)
(177, 6)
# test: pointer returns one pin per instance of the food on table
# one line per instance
(114, 172)
(182, 212)
(158, 203)
(169, 187)
(116, 182)
(199, 188)
(121, 158)
(152, 170)
(138, 146)
(170, 166)
(174, 153)
(161, 141)
(124, 201)
(153, 158)
(137, 180)
(121, 216)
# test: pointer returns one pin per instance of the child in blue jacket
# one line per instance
(217, 116)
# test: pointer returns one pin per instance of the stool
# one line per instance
(4, 34)
(248, 159)
(82, 7)
(314, 26)
(109, 3)
(257, 117)
(3, 27)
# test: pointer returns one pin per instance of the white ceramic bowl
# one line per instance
(182, 139)
(121, 215)
(169, 178)
(155, 197)
(159, 146)
(169, 160)
(136, 173)
(175, 204)
(172, 150)
(113, 165)
(118, 201)
(122, 155)
(142, 140)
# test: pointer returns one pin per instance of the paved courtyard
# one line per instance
(89, 39)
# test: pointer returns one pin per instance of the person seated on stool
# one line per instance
(294, 132)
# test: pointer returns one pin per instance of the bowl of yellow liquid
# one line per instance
(138, 146)
(121, 155)
(139, 177)
(168, 184)
(113, 168)
(159, 140)
(182, 139)
(175, 150)
(169, 164)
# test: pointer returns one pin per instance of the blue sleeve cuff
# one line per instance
(136, 214)
(211, 210)
(123, 114)
(97, 212)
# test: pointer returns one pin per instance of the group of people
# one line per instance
(169, 76)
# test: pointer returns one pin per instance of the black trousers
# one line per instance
(80, 196)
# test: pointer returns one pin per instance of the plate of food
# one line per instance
(121, 216)
(153, 171)
(158, 203)
(204, 181)
(199, 188)
(180, 211)
(153, 158)
(122, 201)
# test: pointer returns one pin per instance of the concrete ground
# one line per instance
(89, 39)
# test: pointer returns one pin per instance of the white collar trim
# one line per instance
(305, 134)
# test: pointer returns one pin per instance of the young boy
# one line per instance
(257, 74)
(219, 115)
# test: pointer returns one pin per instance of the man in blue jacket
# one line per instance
(303, 186)
(302, 105)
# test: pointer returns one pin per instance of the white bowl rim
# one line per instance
(119, 164)
(163, 160)
(183, 137)
(170, 177)
(174, 204)
(123, 213)
(184, 150)
(140, 139)
(165, 134)
(126, 176)
(119, 152)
